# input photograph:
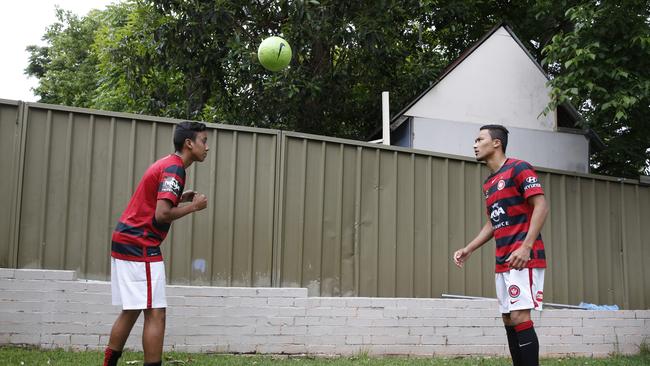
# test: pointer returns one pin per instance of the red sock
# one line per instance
(111, 356)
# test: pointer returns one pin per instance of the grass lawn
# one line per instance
(20, 356)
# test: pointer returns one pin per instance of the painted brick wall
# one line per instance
(54, 309)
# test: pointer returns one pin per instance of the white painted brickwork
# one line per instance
(54, 309)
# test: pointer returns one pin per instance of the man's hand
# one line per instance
(199, 201)
(187, 196)
(461, 256)
(519, 257)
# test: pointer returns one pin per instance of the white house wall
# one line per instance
(557, 150)
(497, 83)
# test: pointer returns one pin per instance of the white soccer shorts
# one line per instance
(138, 285)
(520, 289)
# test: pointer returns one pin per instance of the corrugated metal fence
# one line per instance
(340, 217)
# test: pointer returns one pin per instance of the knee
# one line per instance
(131, 314)
(518, 317)
(157, 315)
(507, 321)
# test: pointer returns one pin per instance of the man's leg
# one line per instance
(527, 337)
(501, 282)
(119, 334)
(513, 342)
(153, 335)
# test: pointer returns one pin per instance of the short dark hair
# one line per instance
(498, 132)
(186, 130)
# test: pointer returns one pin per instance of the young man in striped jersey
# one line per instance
(137, 269)
(517, 210)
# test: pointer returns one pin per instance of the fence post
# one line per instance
(623, 251)
(276, 264)
(17, 169)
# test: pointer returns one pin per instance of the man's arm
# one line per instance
(166, 213)
(486, 233)
(519, 257)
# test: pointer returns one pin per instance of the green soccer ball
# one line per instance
(274, 53)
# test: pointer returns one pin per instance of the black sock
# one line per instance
(153, 363)
(513, 344)
(528, 343)
(111, 356)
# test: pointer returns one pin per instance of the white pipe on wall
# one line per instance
(385, 118)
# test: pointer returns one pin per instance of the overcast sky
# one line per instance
(22, 23)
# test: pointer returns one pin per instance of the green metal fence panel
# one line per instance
(81, 167)
(636, 245)
(641, 284)
(339, 217)
(408, 211)
(10, 153)
(231, 243)
(394, 209)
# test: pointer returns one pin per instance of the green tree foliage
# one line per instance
(602, 66)
(197, 59)
(66, 68)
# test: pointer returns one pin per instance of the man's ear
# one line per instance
(496, 143)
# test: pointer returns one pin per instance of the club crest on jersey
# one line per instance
(501, 185)
(496, 212)
(514, 291)
(539, 297)
(170, 184)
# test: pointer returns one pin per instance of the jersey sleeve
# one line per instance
(171, 184)
(527, 180)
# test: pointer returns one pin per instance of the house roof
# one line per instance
(447, 70)
(399, 118)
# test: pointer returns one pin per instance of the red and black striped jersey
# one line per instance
(506, 193)
(137, 236)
